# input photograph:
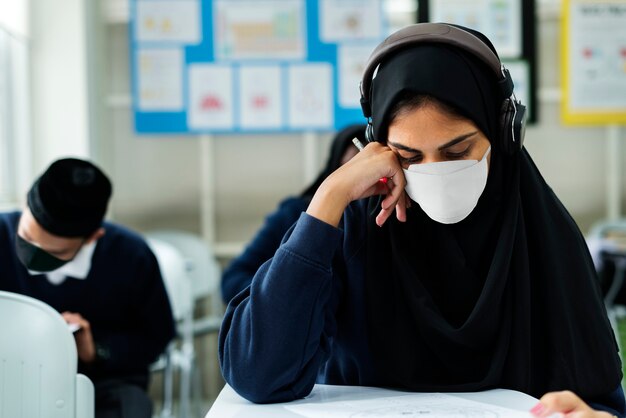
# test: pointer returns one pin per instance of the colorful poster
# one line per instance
(260, 97)
(351, 62)
(238, 66)
(210, 97)
(310, 96)
(349, 20)
(159, 79)
(259, 29)
(594, 62)
(499, 20)
(168, 21)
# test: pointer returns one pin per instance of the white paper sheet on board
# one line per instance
(310, 96)
(168, 21)
(260, 97)
(159, 79)
(348, 20)
(351, 62)
(210, 97)
(499, 20)
(597, 56)
(253, 29)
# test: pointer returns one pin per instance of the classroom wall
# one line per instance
(159, 184)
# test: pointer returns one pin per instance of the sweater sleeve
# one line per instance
(149, 328)
(273, 337)
(613, 402)
(238, 275)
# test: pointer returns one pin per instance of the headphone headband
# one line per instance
(431, 33)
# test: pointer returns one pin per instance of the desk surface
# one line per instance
(355, 401)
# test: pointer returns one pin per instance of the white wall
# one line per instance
(14, 16)
(60, 118)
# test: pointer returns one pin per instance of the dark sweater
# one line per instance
(238, 275)
(303, 318)
(123, 298)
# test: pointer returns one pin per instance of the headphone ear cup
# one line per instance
(507, 142)
(369, 132)
(513, 126)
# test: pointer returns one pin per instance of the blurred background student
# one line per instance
(239, 273)
(100, 276)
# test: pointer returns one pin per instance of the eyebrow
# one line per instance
(448, 144)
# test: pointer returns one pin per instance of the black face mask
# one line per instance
(36, 259)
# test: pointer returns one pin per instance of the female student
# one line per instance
(437, 259)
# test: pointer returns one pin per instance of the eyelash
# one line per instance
(449, 155)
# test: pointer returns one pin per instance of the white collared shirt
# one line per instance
(78, 268)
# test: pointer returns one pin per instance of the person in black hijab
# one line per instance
(238, 275)
(481, 279)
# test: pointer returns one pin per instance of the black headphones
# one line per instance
(512, 113)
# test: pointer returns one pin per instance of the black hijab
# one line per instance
(507, 297)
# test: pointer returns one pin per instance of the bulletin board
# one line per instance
(593, 62)
(509, 24)
(237, 66)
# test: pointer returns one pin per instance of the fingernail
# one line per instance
(538, 409)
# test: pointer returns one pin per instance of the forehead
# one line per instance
(428, 126)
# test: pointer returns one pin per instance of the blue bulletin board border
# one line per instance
(176, 121)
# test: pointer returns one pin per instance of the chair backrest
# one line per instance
(613, 233)
(38, 361)
(201, 263)
(175, 276)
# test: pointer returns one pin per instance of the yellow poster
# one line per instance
(593, 62)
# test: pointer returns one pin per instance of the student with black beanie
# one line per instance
(100, 276)
(461, 272)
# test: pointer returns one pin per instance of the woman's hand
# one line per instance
(567, 404)
(359, 178)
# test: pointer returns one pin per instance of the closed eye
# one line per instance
(458, 155)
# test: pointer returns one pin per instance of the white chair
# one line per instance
(38, 363)
(204, 272)
(607, 242)
(178, 356)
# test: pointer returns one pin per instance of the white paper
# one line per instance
(73, 327)
(432, 405)
(499, 20)
(260, 96)
(310, 96)
(259, 29)
(597, 56)
(351, 63)
(168, 21)
(159, 79)
(210, 97)
(344, 20)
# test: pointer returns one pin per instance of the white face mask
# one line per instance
(447, 191)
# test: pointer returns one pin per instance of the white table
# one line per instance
(337, 398)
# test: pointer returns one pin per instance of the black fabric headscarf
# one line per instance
(341, 142)
(505, 298)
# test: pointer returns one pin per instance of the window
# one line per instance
(14, 117)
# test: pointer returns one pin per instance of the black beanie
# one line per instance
(70, 198)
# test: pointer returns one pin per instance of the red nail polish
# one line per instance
(538, 409)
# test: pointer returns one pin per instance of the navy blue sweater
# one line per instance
(302, 320)
(123, 298)
(238, 275)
